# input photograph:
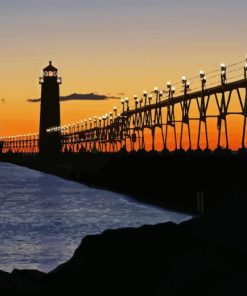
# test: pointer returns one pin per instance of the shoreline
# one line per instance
(186, 182)
(205, 256)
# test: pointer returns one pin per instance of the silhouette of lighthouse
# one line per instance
(49, 143)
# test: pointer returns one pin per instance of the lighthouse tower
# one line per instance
(49, 143)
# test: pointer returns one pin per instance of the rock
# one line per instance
(203, 256)
(7, 286)
(28, 282)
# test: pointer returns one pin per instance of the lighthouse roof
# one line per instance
(50, 67)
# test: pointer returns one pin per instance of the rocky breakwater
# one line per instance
(203, 256)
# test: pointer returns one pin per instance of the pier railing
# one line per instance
(196, 115)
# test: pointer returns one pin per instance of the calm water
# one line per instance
(43, 218)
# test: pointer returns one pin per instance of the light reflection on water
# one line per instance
(43, 218)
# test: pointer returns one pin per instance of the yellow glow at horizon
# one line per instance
(19, 82)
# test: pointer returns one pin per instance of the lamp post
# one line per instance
(186, 84)
(136, 102)
(169, 87)
(156, 91)
(122, 102)
(115, 111)
(145, 95)
(111, 117)
(99, 119)
(127, 103)
(160, 95)
(140, 101)
(223, 74)
(202, 110)
(185, 111)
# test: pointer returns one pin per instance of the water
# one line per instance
(43, 218)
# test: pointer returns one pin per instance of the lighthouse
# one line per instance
(49, 143)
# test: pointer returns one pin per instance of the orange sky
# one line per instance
(109, 47)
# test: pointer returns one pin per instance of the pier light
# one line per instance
(184, 79)
(188, 84)
(122, 101)
(161, 93)
(135, 97)
(114, 108)
(202, 74)
(126, 100)
(223, 73)
(110, 113)
(106, 116)
(150, 97)
(41, 80)
(156, 89)
(223, 68)
(89, 119)
(145, 93)
(168, 84)
(137, 101)
(99, 118)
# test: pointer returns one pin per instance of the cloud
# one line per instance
(80, 97)
(121, 94)
(33, 100)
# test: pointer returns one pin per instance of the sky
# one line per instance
(112, 48)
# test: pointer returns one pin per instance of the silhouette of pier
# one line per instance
(164, 113)
(108, 149)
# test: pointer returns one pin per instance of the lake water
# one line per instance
(43, 217)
